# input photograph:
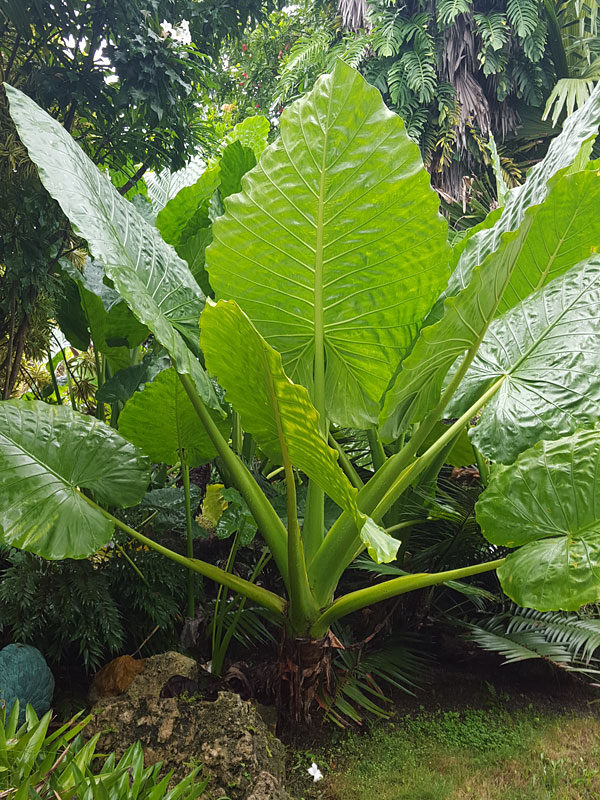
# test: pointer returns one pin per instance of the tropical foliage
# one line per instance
(335, 302)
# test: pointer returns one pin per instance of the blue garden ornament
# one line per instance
(25, 676)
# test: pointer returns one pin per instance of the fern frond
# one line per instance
(307, 56)
(353, 49)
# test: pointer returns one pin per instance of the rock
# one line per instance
(115, 677)
(227, 736)
(267, 788)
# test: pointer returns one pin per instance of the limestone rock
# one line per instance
(227, 736)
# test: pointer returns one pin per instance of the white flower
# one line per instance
(316, 773)
(180, 33)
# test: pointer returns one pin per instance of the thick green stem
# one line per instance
(271, 527)
(54, 381)
(345, 463)
(354, 601)
(99, 380)
(313, 530)
(377, 452)
(302, 608)
(237, 434)
(263, 597)
(191, 599)
(342, 543)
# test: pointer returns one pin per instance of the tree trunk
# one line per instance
(304, 668)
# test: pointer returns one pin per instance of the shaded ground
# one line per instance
(479, 732)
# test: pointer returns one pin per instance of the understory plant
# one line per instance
(36, 764)
(338, 304)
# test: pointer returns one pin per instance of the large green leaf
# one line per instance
(548, 350)
(161, 421)
(479, 282)
(564, 231)
(156, 284)
(335, 243)
(277, 412)
(113, 328)
(573, 144)
(546, 504)
(188, 207)
(47, 454)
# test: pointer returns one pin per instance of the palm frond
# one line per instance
(569, 94)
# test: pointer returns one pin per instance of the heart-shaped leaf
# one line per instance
(147, 273)
(546, 504)
(548, 351)
(277, 412)
(48, 454)
(162, 422)
(335, 248)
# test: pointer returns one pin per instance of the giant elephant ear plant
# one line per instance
(335, 306)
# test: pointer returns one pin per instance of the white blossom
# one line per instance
(316, 773)
(179, 33)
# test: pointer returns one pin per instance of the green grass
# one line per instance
(473, 754)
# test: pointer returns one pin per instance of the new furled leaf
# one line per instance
(156, 284)
(335, 248)
(47, 454)
(545, 504)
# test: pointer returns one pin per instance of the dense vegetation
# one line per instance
(255, 381)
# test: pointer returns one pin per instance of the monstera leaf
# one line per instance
(547, 350)
(546, 505)
(277, 412)
(335, 248)
(485, 270)
(162, 422)
(156, 284)
(48, 455)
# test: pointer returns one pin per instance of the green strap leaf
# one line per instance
(156, 284)
(277, 412)
(573, 144)
(161, 421)
(548, 347)
(564, 231)
(335, 246)
(48, 453)
(546, 504)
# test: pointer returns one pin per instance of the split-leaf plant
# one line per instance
(327, 269)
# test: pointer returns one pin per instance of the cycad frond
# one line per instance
(353, 49)
(567, 640)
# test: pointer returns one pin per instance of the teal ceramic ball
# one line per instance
(25, 676)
